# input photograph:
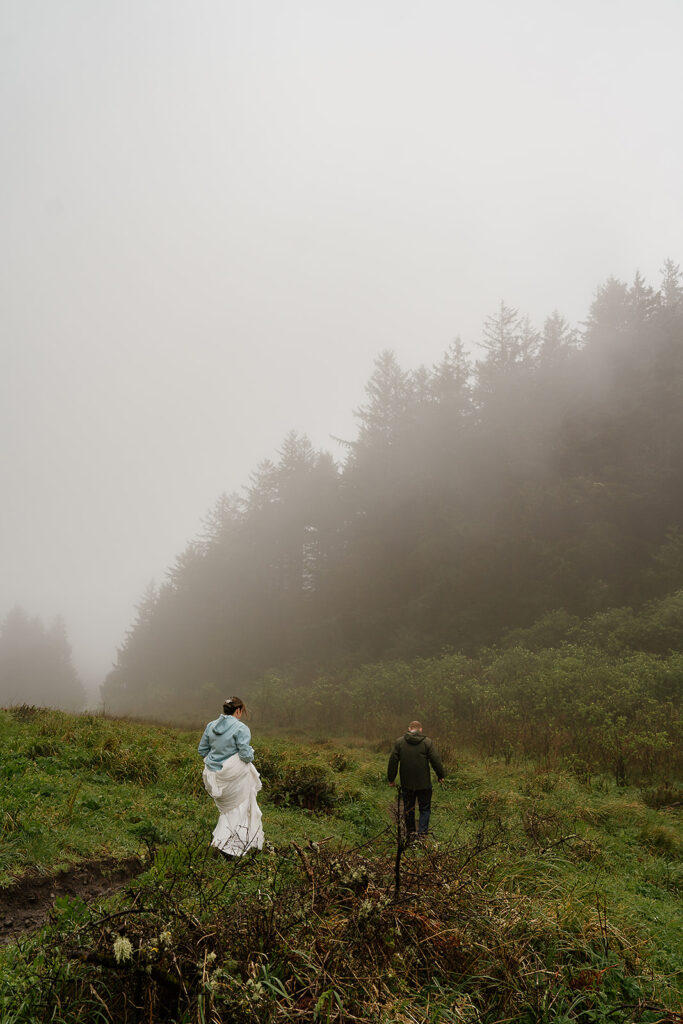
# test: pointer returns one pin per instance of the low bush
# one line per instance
(664, 795)
(663, 840)
(341, 762)
(270, 765)
(307, 786)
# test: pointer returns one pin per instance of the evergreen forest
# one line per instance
(530, 499)
(35, 663)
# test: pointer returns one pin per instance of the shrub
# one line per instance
(339, 762)
(44, 746)
(665, 795)
(25, 712)
(623, 813)
(662, 840)
(307, 786)
(486, 805)
(269, 765)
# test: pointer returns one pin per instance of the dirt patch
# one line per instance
(25, 905)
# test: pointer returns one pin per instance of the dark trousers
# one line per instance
(424, 802)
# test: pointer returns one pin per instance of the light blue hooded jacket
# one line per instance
(223, 738)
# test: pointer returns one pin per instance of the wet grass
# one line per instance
(539, 896)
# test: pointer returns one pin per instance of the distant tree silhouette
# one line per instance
(671, 289)
(35, 664)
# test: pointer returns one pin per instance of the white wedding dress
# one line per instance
(234, 790)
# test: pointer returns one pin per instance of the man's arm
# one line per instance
(392, 767)
(435, 762)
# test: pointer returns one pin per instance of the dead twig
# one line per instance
(307, 868)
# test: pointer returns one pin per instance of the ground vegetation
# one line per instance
(541, 895)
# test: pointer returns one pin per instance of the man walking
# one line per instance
(413, 753)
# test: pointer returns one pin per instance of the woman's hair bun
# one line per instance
(232, 704)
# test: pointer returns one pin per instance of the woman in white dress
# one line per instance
(233, 782)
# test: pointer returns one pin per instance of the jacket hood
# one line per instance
(221, 724)
(414, 737)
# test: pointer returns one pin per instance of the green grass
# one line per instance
(79, 787)
(73, 788)
(541, 896)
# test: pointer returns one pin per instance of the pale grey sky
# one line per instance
(216, 214)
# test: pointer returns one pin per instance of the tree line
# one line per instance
(35, 663)
(477, 497)
(597, 695)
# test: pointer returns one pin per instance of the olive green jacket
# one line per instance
(413, 753)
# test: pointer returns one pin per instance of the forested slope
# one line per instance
(475, 499)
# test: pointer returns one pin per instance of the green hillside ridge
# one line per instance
(543, 894)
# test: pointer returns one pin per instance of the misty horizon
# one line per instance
(217, 218)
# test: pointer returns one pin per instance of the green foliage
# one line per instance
(341, 762)
(539, 897)
(86, 779)
(663, 840)
(308, 786)
(124, 763)
(589, 703)
(664, 795)
(147, 832)
(270, 764)
(318, 935)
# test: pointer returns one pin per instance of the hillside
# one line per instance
(540, 895)
(477, 498)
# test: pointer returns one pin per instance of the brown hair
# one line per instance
(415, 727)
(233, 704)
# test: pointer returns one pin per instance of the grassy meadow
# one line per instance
(542, 895)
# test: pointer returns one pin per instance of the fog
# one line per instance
(216, 215)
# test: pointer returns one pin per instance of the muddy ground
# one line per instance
(25, 905)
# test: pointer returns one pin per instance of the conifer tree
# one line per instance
(36, 665)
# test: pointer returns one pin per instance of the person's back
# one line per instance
(232, 781)
(222, 738)
(412, 757)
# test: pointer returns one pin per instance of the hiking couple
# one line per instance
(231, 779)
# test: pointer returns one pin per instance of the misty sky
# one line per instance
(216, 214)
